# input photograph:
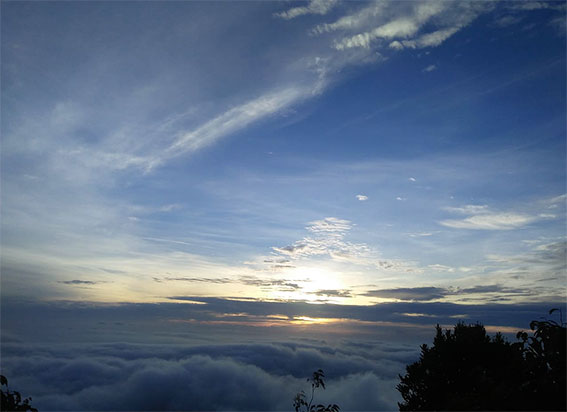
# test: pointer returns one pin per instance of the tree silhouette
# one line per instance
(301, 405)
(12, 400)
(466, 369)
(544, 356)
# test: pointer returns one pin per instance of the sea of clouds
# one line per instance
(221, 354)
(263, 376)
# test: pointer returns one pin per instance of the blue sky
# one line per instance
(403, 157)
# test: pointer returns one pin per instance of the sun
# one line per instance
(317, 284)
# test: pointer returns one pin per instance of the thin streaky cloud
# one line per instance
(336, 293)
(80, 282)
(179, 242)
(402, 27)
(432, 293)
(557, 200)
(481, 217)
(433, 39)
(536, 5)
(404, 30)
(469, 209)
(506, 21)
(420, 234)
(353, 21)
(497, 221)
(235, 119)
(398, 28)
(320, 7)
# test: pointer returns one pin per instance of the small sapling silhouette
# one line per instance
(301, 405)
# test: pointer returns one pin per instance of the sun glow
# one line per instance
(318, 284)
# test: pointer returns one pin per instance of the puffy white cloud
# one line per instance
(362, 197)
(396, 45)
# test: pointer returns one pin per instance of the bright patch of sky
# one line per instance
(342, 152)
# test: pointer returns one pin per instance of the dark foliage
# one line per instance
(12, 400)
(301, 405)
(544, 366)
(466, 369)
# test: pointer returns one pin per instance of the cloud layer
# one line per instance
(216, 377)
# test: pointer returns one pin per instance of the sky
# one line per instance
(228, 195)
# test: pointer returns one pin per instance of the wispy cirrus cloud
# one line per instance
(506, 21)
(320, 7)
(497, 221)
(546, 258)
(193, 279)
(536, 5)
(556, 201)
(403, 27)
(355, 20)
(280, 285)
(235, 119)
(482, 218)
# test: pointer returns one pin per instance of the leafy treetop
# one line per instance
(466, 369)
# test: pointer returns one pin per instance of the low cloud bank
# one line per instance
(224, 377)
(167, 356)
